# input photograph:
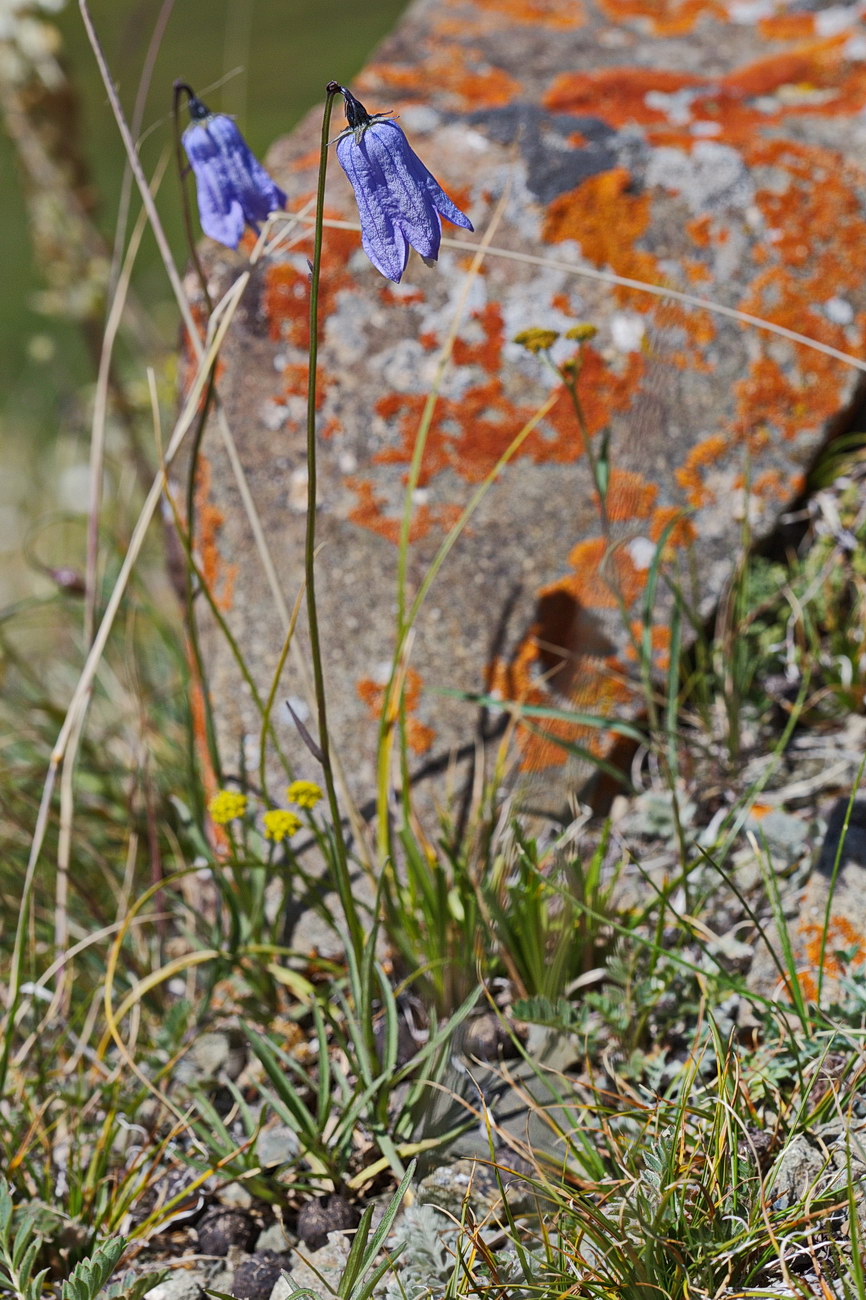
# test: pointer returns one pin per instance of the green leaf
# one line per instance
(557, 1013)
(90, 1275)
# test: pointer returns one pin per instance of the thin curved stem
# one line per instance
(341, 862)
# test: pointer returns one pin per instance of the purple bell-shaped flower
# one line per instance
(233, 188)
(399, 202)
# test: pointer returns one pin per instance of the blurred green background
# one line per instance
(265, 61)
(275, 56)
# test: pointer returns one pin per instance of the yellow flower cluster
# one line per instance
(536, 340)
(280, 824)
(227, 806)
(306, 794)
(581, 333)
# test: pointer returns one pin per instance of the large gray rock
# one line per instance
(710, 147)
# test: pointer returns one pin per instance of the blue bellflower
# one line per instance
(233, 188)
(399, 202)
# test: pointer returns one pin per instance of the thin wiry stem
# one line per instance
(644, 286)
(341, 862)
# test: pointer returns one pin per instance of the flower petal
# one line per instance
(232, 186)
(406, 179)
(399, 201)
(393, 137)
(384, 243)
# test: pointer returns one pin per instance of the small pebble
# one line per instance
(257, 1276)
(488, 1039)
(325, 1214)
(224, 1227)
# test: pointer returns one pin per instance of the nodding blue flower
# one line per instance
(399, 202)
(233, 188)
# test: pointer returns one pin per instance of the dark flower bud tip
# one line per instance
(197, 110)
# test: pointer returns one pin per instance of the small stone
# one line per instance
(180, 1286)
(276, 1146)
(235, 1196)
(224, 1227)
(325, 1214)
(257, 1276)
(273, 1238)
(323, 1272)
(479, 1184)
(488, 1039)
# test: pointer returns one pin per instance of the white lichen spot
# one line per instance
(297, 494)
(641, 551)
(627, 330)
(836, 19)
(676, 105)
(839, 310)
(751, 11)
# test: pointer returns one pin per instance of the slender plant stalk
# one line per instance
(392, 705)
(341, 859)
(180, 88)
(834, 876)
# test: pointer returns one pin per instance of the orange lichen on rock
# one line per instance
(419, 736)
(682, 530)
(817, 222)
(665, 17)
(369, 514)
(813, 64)
(660, 644)
(467, 436)
(596, 686)
(285, 303)
(561, 15)
(629, 496)
(218, 577)
(706, 453)
(389, 295)
(616, 95)
(285, 299)
(774, 484)
(699, 230)
(697, 325)
(818, 250)
(606, 219)
(769, 399)
(488, 353)
(462, 73)
(823, 952)
(604, 576)
(817, 78)
(787, 27)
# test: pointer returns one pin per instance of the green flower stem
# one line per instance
(570, 381)
(341, 862)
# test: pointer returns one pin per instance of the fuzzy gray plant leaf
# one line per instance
(428, 1239)
(19, 1249)
(90, 1275)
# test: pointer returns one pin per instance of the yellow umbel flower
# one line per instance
(280, 824)
(227, 806)
(581, 333)
(306, 794)
(536, 340)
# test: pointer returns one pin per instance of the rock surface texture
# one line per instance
(710, 146)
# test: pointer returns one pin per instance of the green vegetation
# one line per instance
(681, 1131)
